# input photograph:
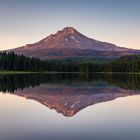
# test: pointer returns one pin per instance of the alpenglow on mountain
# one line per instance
(69, 43)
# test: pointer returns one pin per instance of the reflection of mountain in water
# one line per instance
(68, 94)
(69, 100)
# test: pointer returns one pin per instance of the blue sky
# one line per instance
(28, 21)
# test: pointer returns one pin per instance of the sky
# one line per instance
(28, 21)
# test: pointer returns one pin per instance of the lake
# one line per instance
(69, 107)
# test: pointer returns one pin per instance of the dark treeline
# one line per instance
(129, 63)
(12, 62)
(125, 64)
(12, 83)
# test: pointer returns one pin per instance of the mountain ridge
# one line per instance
(71, 43)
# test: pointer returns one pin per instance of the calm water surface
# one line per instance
(69, 106)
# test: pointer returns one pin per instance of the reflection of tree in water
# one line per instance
(12, 83)
(125, 81)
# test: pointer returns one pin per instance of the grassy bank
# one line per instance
(16, 72)
(55, 72)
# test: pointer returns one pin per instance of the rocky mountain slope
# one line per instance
(70, 43)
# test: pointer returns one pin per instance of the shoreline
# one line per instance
(55, 72)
